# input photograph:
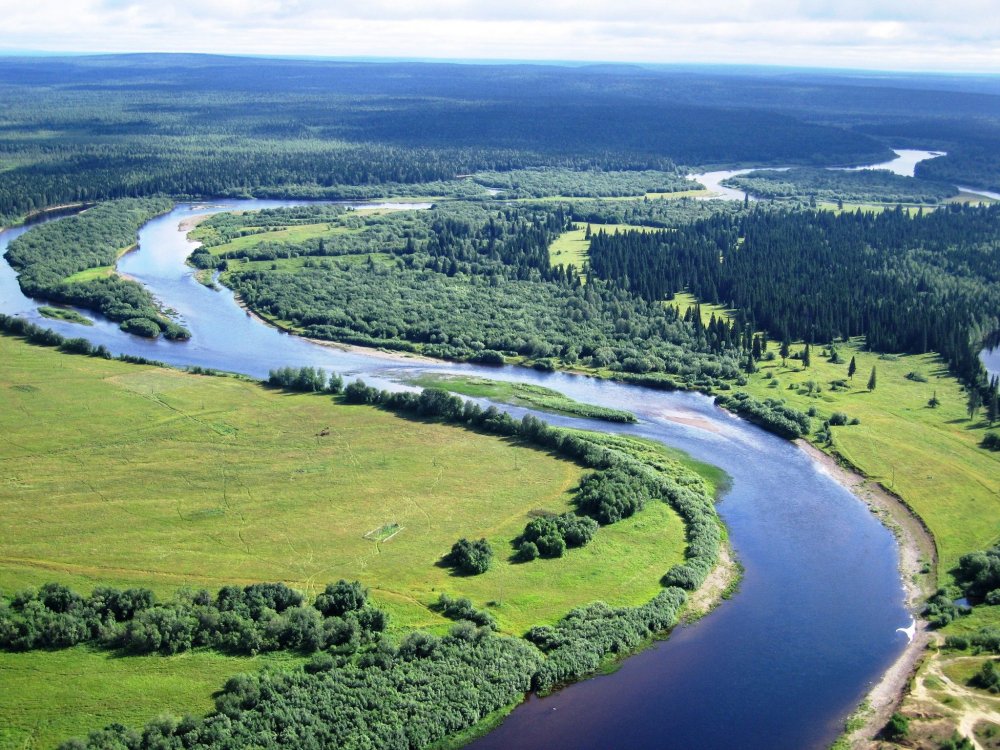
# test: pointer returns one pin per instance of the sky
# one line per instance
(909, 35)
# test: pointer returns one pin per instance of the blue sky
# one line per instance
(869, 34)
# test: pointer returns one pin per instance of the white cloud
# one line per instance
(889, 34)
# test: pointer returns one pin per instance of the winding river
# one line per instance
(780, 665)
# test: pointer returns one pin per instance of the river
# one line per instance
(780, 665)
(904, 164)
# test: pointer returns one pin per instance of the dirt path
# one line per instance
(967, 706)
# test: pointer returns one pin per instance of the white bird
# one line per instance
(910, 631)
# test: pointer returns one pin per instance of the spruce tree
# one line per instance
(871, 380)
(806, 359)
(975, 401)
(786, 349)
(852, 368)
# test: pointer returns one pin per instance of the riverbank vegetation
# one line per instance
(521, 394)
(841, 186)
(475, 282)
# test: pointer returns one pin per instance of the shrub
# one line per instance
(141, 327)
(527, 551)
(897, 728)
(340, 598)
(471, 558)
(987, 678)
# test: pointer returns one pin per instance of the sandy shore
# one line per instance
(916, 549)
(711, 593)
(191, 222)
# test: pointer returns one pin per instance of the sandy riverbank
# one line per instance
(917, 552)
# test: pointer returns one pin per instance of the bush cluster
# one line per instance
(550, 536)
(305, 380)
(462, 609)
(771, 414)
(575, 646)
(470, 558)
(248, 620)
(978, 574)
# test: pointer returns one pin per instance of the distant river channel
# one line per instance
(779, 665)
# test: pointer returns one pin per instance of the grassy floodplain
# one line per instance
(929, 456)
(132, 475)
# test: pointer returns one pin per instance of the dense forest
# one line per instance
(854, 186)
(204, 126)
(908, 283)
(465, 280)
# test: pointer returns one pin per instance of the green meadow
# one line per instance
(49, 696)
(929, 456)
(291, 234)
(572, 247)
(132, 475)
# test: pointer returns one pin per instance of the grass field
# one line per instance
(928, 456)
(49, 696)
(572, 247)
(130, 475)
(521, 394)
(297, 233)
(683, 300)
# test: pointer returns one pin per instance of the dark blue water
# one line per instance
(779, 666)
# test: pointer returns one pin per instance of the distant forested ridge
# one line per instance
(929, 282)
(53, 261)
(101, 128)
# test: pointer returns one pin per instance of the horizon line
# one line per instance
(24, 53)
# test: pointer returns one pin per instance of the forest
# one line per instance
(927, 282)
(202, 126)
(460, 281)
(833, 186)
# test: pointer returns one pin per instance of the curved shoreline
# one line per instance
(917, 548)
(915, 542)
(857, 479)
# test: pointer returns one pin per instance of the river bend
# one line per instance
(780, 665)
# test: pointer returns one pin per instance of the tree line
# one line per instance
(908, 283)
(249, 620)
